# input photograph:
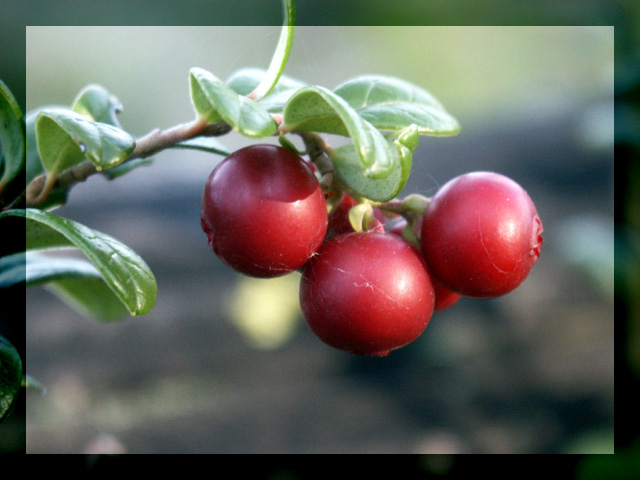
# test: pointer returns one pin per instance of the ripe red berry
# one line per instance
(481, 235)
(264, 211)
(366, 293)
(444, 297)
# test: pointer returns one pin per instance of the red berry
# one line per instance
(444, 297)
(481, 235)
(366, 293)
(263, 211)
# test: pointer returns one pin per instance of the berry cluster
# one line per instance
(368, 292)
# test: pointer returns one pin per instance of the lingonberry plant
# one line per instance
(373, 266)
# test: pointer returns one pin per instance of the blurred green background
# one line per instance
(531, 372)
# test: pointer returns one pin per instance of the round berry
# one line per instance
(481, 235)
(444, 297)
(264, 211)
(366, 293)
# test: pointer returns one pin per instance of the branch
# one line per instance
(320, 153)
(154, 142)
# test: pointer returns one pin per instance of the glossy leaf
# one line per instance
(390, 103)
(10, 376)
(12, 136)
(128, 276)
(12, 269)
(33, 163)
(98, 105)
(281, 54)
(65, 138)
(244, 81)
(41, 268)
(90, 297)
(316, 109)
(347, 167)
(76, 281)
(214, 101)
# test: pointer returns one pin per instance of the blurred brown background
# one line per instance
(531, 372)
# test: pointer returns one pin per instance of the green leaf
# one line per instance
(316, 109)
(214, 101)
(122, 269)
(245, 81)
(90, 297)
(390, 103)
(33, 166)
(33, 163)
(39, 268)
(65, 138)
(10, 376)
(347, 166)
(281, 54)
(12, 136)
(98, 105)
(75, 281)
(12, 269)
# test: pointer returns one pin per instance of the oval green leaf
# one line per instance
(90, 297)
(76, 282)
(390, 103)
(12, 269)
(10, 376)
(128, 276)
(316, 109)
(347, 167)
(65, 138)
(245, 81)
(12, 136)
(33, 163)
(98, 105)
(215, 101)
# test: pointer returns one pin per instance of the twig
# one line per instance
(155, 141)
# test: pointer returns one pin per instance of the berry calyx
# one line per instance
(340, 222)
(481, 235)
(367, 293)
(264, 211)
